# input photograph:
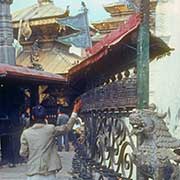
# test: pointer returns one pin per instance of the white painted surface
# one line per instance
(165, 73)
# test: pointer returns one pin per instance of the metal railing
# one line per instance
(106, 153)
(108, 142)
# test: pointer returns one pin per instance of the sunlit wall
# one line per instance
(165, 73)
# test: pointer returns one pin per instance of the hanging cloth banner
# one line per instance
(79, 40)
(80, 23)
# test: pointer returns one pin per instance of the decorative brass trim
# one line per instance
(37, 22)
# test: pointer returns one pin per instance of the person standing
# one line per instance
(25, 118)
(62, 118)
(39, 146)
(78, 129)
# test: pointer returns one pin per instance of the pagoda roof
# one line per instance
(27, 74)
(39, 11)
(117, 8)
(52, 60)
(110, 23)
(117, 50)
(113, 19)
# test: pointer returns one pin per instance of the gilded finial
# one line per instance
(43, 2)
(67, 10)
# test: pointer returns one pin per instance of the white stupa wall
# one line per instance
(165, 73)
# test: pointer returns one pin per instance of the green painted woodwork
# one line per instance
(143, 57)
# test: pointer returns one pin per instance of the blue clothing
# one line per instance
(62, 119)
(64, 138)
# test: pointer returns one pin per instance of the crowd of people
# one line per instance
(64, 141)
(39, 140)
(71, 137)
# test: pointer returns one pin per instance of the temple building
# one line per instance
(119, 14)
(21, 88)
(36, 29)
(103, 74)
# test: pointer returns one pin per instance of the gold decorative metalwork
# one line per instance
(38, 22)
(44, 2)
(26, 30)
(107, 26)
(117, 8)
(120, 13)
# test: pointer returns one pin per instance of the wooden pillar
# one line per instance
(143, 66)
(143, 57)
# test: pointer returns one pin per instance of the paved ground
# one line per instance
(18, 173)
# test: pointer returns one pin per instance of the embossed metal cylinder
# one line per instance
(7, 51)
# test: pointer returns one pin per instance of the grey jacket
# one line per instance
(38, 144)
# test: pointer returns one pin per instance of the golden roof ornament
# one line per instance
(44, 12)
(44, 2)
(26, 30)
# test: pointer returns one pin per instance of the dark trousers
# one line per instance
(60, 139)
(74, 138)
(4, 149)
(8, 150)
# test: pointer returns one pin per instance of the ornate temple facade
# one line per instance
(19, 86)
(36, 29)
(119, 14)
